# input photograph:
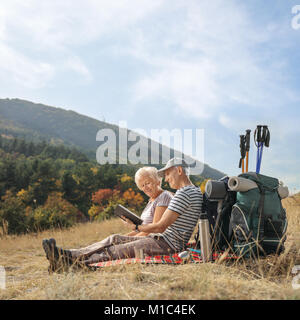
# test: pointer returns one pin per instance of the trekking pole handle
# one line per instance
(266, 136)
(259, 135)
(264, 133)
(242, 146)
(242, 149)
(247, 137)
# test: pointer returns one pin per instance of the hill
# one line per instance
(36, 122)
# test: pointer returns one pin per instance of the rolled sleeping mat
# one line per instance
(215, 190)
(283, 192)
(241, 184)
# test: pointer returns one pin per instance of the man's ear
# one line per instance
(179, 170)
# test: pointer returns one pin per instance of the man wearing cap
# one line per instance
(174, 229)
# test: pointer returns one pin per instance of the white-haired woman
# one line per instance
(147, 180)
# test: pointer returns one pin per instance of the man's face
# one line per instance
(171, 176)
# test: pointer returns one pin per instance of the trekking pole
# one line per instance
(265, 142)
(247, 138)
(257, 140)
(243, 152)
(261, 138)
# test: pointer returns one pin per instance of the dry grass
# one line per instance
(27, 276)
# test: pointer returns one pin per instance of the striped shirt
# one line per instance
(162, 200)
(187, 202)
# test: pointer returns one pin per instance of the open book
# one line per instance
(122, 211)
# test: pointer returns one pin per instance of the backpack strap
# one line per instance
(261, 215)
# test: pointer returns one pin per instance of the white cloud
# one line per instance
(53, 30)
(59, 24)
(201, 53)
(24, 71)
(225, 121)
(212, 57)
(76, 64)
(190, 86)
(2, 25)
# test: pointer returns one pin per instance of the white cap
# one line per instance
(174, 162)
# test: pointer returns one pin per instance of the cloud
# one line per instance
(76, 64)
(41, 34)
(203, 55)
(23, 70)
(190, 86)
(55, 24)
(214, 58)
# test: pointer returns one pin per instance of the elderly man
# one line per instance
(167, 236)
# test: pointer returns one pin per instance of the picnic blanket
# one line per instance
(194, 257)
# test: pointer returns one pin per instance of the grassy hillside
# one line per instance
(27, 276)
(36, 122)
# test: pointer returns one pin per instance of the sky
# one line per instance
(219, 66)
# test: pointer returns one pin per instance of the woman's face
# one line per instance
(148, 186)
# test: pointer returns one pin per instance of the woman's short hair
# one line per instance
(147, 172)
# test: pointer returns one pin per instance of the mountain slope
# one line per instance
(40, 122)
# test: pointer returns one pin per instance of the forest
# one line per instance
(46, 186)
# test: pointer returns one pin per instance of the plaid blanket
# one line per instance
(194, 257)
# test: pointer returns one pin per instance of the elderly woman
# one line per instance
(149, 182)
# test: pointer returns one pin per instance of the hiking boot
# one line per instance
(48, 248)
(59, 253)
(54, 249)
(59, 259)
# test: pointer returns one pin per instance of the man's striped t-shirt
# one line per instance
(187, 202)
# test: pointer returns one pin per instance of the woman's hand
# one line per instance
(128, 223)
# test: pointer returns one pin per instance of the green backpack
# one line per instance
(258, 221)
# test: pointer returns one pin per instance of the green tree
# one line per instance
(30, 149)
(8, 174)
(12, 211)
(43, 181)
(69, 187)
(21, 146)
